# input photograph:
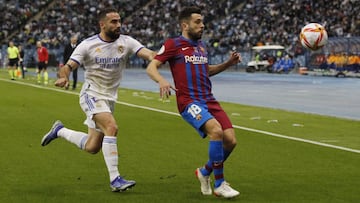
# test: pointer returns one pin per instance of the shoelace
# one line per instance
(227, 186)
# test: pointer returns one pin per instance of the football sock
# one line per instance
(218, 173)
(11, 73)
(75, 137)
(216, 155)
(207, 169)
(39, 77)
(110, 152)
(46, 77)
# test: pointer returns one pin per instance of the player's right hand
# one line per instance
(165, 89)
(62, 82)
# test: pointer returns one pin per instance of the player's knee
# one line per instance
(92, 150)
(232, 143)
(111, 129)
(215, 133)
(229, 139)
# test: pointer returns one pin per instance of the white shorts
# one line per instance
(91, 106)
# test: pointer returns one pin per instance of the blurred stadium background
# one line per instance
(265, 168)
(230, 24)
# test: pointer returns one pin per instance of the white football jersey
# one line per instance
(104, 63)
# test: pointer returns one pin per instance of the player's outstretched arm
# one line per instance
(233, 59)
(146, 54)
(154, 74)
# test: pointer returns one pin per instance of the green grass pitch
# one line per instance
(160, 151)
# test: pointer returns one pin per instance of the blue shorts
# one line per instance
(196, 114)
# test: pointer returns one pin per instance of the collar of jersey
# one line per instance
(104, 40)
(192, 42)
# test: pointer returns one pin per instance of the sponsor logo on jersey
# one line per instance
(196, 59)
(108, 62)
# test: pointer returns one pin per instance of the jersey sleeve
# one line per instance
(79, 53)
(134, 45)
(167, 51)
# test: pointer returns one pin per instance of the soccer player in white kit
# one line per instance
(104, 57)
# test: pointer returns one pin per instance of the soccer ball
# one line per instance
(313, 36)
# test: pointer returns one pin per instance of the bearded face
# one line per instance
(111, 26)
(194, 27)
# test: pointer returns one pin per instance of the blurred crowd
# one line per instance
(60, 20)
(279, 22)
(16, 13)
(230, 24)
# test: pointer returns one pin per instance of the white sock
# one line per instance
(75, 137)
(110, 152)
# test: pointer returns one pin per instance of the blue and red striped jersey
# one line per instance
(188, 62)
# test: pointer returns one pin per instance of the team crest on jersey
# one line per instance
(198, 117)
(199, 49)
(121, 49)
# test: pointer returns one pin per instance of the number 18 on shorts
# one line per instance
(196, 114)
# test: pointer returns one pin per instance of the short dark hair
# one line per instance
(186, 13)
(102, 13)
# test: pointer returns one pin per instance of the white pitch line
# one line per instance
(297, 139)
(253, 130)
(176, 114)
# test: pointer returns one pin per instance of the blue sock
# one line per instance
(216, 155)
(207, 169)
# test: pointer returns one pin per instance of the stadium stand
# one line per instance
(17, 13)
(230, 24)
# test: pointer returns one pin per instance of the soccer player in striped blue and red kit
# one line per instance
(189, 66)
